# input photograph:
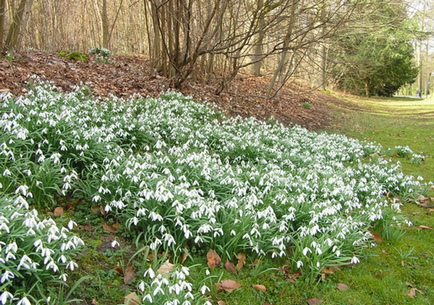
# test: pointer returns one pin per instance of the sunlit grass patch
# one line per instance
(182, 179)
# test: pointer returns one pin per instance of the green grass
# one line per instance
(392, 122)
(385, 274)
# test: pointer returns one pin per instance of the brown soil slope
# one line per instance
(127, 75)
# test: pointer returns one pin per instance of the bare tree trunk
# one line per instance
(26, 19)
(257, 49)
(2, 21)
(287, 39)
(14, 29)
(105, 25)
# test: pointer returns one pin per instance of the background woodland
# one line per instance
(356, 46)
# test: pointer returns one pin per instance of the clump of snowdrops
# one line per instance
(186, 176)
(33, 252)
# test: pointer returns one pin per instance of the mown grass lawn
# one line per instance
(392, 269)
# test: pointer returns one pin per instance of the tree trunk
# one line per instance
(14, 29)
(367, 87)
(105, 25)
(26, 19)
(257, 49)
(2, 21)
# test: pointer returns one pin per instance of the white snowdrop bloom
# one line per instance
(355, 260)
(63, 277)
(306, 250)
(114, 244)
(71, 265)
(158, 290)
(12, 247)
(52, 265)
(71, 224)
(147, 298)
(299, 264)
(189, 295)
(24, 301)
(204, 289)
(5, 296)
(6, 276)
(3, 226)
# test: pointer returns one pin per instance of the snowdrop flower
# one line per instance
(151, 273)
(299, 264)
(71, 265)
(5, 296)
(114, 244)
(148, 298)
(204, 289)
(24, 301)
(6, 276)
(305, 250)
(355, 260)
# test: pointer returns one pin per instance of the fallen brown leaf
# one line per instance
(385, 252)
(228, 285)
(327, 271)
(119, 270)
(129, 274)
(314, 301)
(221, 303)
(95, 210)
(412, 292)
(86, 228)
(260, 288)
(214, 259)
(241, 261)
(184, 255)
(230, 267)
(402, 263)
(342, 287)
(108, 228)
(94, 302)
(376, 237)
(430, 210)
(409, 284)
(58, 211)
(102, 210)
(131, 299)
(422, 227)
(165, 268)
(255, 263)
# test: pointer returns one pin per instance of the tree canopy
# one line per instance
(377, 57)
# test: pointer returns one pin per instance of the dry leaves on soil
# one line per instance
(129, 274)
(109, 228)
(131, 299)
(413, 291)
(422, 227)
(228, 285)
(58, 211)
(213, 259)
(376, 237)
(165, 268)
(230, 267)
(241, 261)
(342, 287)
(260, 288)
(314, 301)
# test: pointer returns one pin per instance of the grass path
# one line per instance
(392, 122)
(391, 272)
